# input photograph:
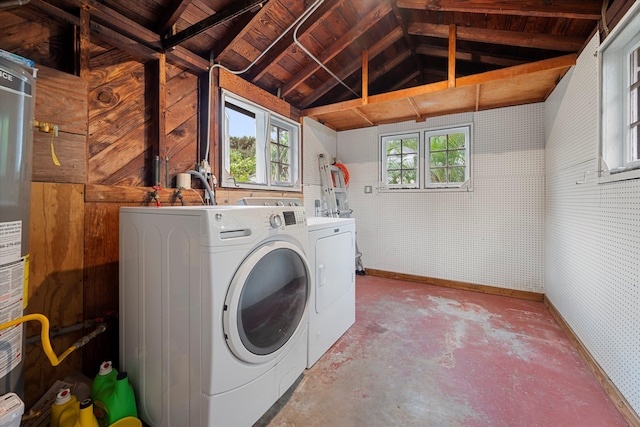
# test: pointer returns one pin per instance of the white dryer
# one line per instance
(333, 297)
(213, 310)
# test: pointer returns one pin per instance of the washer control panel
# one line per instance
(290, 217)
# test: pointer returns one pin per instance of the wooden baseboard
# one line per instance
(612, 391)
(491, 290)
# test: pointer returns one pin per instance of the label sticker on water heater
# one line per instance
(11, 283)
(10, 241)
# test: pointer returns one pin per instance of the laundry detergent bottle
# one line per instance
(106, 379)
(80, 416)
(113, 403)
(64, 400)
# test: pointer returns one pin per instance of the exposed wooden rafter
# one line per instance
(171, 16)
(353, 66)
(363, 25)
(236, 9)
(280, 50)
(509, 86)
(442, 52)
(577, 9)
(503, 37)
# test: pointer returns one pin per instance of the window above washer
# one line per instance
(260, 149)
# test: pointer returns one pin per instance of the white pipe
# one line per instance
(12, 3)
(305, 15)
(295, 40)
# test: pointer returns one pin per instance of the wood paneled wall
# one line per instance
(113, 122)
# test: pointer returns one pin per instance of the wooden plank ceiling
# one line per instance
(423, 57)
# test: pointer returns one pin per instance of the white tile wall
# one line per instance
(491, 236)
(592, 234)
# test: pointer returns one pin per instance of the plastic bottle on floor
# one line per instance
(115, 403)
(79, 416)
(106, 379)
(64, 400)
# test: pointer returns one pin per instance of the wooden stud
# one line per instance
(365, 77)
(452, 55)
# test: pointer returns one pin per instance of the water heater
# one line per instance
(17, 101)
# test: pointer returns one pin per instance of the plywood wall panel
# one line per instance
(61, 99)
(100, 280)
(70, 151)
(55, 277)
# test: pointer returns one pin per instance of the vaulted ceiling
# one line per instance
(310, 52)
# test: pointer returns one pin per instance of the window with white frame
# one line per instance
(427, 160)
(260, 149)
(620, 99)
(400, 159)
(448, 157)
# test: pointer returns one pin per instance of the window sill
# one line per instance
(293, 189)
(620, 176)
(427, 190)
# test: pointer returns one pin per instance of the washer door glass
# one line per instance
(266, 301)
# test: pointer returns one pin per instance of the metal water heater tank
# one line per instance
(17, 102)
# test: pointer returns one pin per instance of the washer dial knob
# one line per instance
(275, 220)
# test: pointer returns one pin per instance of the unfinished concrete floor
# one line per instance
(421, 355)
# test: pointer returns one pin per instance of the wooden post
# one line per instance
(162, 149)
(365, 77)
(83, 43)
(452, 55)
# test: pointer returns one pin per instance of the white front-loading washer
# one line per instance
(332, 308)
(213, 310)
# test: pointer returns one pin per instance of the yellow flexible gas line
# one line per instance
(44, 334)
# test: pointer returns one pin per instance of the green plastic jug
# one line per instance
(79, 415)
(64, 400)
(106, 379)
(114, 403)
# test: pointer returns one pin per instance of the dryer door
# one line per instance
(266, 302)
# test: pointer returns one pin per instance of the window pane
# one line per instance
(438, 142)
(457, 158)
(438, 175)
(410, 145)
(393, 162)
(409, 161)
(284, 137)
(409, 177)
(448, 156)
(242, 142)
(274, 152)
(456, 175)
(393, 176)
(456, 140)
(439, 159)
(635, 66)
(394, 147)
(635, 143)
(634, 105)
(284, 155)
